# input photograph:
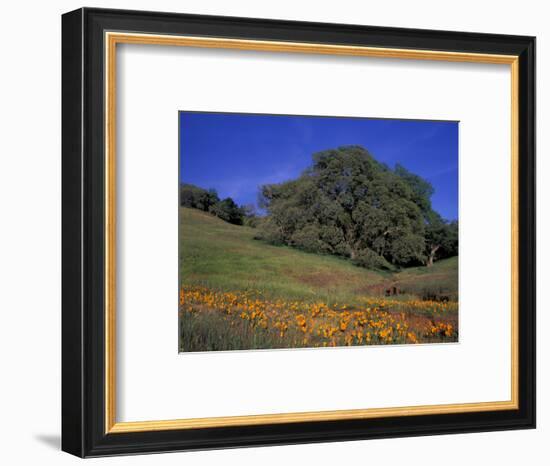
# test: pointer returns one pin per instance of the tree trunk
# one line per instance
(432, 255)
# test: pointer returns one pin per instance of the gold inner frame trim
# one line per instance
(111, 40)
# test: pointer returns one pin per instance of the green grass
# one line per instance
(222, 256)
(440, 280)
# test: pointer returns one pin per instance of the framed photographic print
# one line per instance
(316, 248)
(282, 232)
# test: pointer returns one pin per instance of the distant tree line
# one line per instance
(349, 204)
(208, 201)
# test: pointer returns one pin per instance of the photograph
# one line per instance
(303, 231)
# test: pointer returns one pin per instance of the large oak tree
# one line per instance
(349, 204)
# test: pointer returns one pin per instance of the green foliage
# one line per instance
(250, 217)
(229, 211)
(369, 259)
(197, 198)
(208, 201)
(441, 238)
(421, 189)
(309, 238)
(350, 205)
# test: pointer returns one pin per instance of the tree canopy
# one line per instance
(228, 210)
(197, 198)
(349, 204)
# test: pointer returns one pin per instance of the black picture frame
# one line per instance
(83, 230)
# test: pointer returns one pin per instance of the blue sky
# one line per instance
(236, 153)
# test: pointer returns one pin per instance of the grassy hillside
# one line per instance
(218, 255)
(428, 282)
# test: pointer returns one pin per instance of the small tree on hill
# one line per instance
(441, 239)
(228, 210)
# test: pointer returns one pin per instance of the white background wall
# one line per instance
(30, 233)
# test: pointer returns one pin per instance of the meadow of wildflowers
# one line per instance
(220, 320)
